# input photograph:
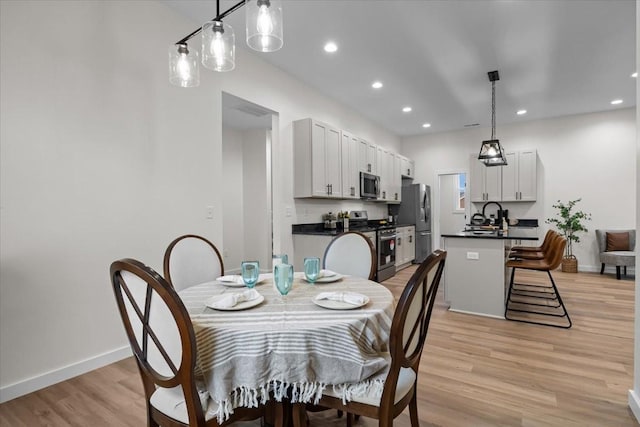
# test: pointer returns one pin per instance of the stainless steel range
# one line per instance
(383, 238)
(386, 253)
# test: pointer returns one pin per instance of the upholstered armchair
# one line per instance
(617, 247)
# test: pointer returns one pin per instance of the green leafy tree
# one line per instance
(569, 223)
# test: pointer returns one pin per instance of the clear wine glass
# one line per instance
(250, 273)
(311, 269)
(283, 278)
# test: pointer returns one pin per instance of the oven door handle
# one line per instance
(385, 238)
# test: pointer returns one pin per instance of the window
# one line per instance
(461, 190)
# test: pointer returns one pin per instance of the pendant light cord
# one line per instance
(493, 109)
(219, 17)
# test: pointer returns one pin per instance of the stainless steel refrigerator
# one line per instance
(415, 208)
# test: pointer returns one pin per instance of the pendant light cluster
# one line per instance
(264, 34)
(491, 152)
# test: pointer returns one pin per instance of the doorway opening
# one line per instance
(247, 138)
(451, 203)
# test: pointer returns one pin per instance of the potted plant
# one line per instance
(569, 222)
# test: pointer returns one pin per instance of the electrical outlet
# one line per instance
(209, 212)
(287, 211)
(473, 255)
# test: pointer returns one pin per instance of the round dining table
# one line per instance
(289, 347)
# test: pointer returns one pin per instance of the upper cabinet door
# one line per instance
(367, 153)
(350, 168)
(510, 178)
(320, 185)
(333, 163)
(527, 175)
(317, 160)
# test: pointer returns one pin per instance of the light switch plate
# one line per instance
(209, 212)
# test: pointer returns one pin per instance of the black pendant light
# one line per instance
(491, 152)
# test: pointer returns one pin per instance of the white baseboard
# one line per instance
(32, 384)
(634, 404)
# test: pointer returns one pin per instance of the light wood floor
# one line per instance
(474, 372)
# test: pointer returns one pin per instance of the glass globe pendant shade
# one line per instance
(264, 25)
(218, 46)
(183, 66)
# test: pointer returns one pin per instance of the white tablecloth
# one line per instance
(290, 346)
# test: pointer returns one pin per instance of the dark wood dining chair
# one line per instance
(351, 253)
(163, 342)
(408, 334)
(190, 260)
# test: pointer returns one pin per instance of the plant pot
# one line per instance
(570, 264)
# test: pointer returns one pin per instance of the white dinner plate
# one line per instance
(240, 306)
(237, 280)
(339, 305)
(328, 279)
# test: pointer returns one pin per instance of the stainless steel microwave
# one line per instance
(369, 186)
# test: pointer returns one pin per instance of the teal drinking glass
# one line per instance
(311, 269)
(283, 278)
(250, 273)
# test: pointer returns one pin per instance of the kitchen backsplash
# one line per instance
(310, 210)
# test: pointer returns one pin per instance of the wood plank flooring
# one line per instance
(474, 371)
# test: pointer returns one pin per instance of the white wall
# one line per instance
(103, 159)
(233, 231)
(586, 156)
(257, 218)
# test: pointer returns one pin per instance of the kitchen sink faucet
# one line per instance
(499, 209)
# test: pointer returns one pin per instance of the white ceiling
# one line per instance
(555, 57)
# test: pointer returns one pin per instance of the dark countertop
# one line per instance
(513, 234)
(318, 229)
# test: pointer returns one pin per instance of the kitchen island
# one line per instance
(475, 279)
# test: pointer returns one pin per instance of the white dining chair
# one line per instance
(190, 260)
(352, 254)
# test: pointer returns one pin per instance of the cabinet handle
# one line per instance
(410, 239)
(368, 167)
(331, 189)
(409, 172)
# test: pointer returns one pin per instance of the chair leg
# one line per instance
(413, 410)
(349, 419)
(602, 269)
(618, 272)
(506, 306)
(299, 415)
(563, 313)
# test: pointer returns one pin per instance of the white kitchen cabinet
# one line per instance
(519, 176)
(407, 167)
(317, 159)
(350, 167)
(367, 155)
(385, 171)
(405, 246)
(485, 182)
(396, 186)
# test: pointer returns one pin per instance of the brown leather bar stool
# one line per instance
(540, 300)
(533, 252)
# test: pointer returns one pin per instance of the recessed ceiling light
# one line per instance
(426, 125)
(406, 109)
(376, 85)
(330, 47)
(616, 102)
(634, 75)
(521, 112)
